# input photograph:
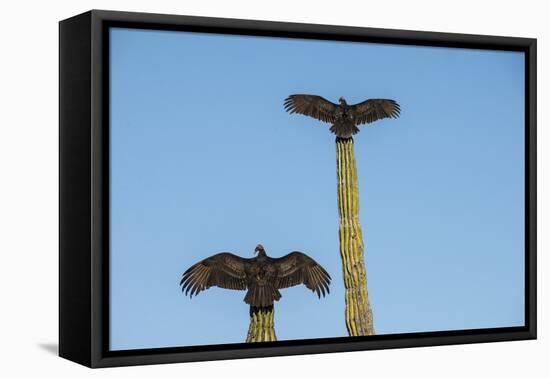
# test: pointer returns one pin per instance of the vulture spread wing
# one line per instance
(223, 270)
(296, 268)
(313, 106)
(375, 109)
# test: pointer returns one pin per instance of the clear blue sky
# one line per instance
(204, 159)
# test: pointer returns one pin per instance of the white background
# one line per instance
(29, 186)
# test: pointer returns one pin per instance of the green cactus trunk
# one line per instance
(262, 326)
(358, 310)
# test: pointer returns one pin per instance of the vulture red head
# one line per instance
(259, 248)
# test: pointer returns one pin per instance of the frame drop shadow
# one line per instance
(52, 348)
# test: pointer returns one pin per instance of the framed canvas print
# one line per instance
(235, 188)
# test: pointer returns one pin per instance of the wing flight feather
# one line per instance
(298, 268)
(311, 105)
(224, 270)
(374, 109)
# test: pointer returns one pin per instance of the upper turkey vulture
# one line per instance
(343, 117)
(262, 275)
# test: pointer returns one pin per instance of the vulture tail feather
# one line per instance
(262, 295)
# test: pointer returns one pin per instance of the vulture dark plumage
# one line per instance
(343, 117)
(262, 275)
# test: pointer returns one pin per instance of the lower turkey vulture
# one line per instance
(262, 275)
(343, 117)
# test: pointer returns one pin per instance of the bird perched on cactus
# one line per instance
(343, 117)
(262, 276)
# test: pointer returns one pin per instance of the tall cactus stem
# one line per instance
(359, 320)
(262, 325)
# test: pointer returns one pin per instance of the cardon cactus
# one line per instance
(359, 320)
(262, 325)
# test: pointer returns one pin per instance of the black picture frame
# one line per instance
(84, 188)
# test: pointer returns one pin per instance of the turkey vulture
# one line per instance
(343, 117)
(262, 275)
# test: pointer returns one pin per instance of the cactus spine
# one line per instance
(359, 320)
(262, 326)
